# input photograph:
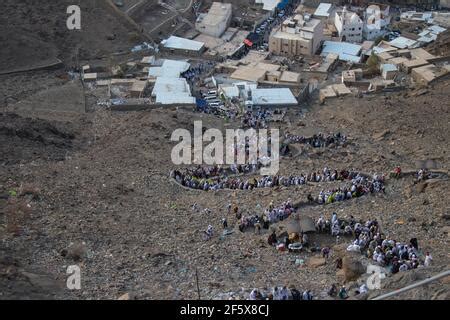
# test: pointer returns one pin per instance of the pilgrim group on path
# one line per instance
(368, 239)
(218, 178)
(319, 140)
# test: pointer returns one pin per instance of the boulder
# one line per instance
(340, 250)
(76, 251)
(340, 275)
(315, 262)
(353, 268)
(420, 187)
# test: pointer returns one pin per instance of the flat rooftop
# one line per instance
(323, 10)
(217, 13)
(174, 42)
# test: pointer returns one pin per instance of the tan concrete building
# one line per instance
(300, 35)
(429, 73)
(216, 21)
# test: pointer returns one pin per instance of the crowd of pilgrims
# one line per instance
(397, 256)
(271, 215)
(195, 72)
(256, 119)
(281, 293)
(318, 140)
(218, 177)
(370, 241)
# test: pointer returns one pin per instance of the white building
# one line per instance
(216, 21)
(262, 97)
(278, 97)
(349, 26)
(325, 12)
(300, 35)
(430, 34)
(346, 51)
(169, 88)
(404, 43)
(377, 19)
(417, 16)
(183, 44)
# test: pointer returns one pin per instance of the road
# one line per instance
(137, 3)
(176, 13)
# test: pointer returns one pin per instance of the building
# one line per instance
(429, 73)
(259, 97)
(148, 60)
(265, 72)
(229, 45)
(268, 5)
(168, 68)
(417, 16)
(169, 87)
(397, 61)
(216, 21)
(349, 26)
(325, 12)
(138, 88)
(409, 65)
(403, 43)
(430, 34)
(388, 71)
(332, 91)
(420, 53)
(300, 35)
(90, 76)
(172, 91)
(442, 18)
(183, 45)
(273, 97)
(352, 75)
(377, 85)
(347, 52)
(377, 19)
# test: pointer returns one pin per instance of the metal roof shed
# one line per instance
(172, 90)
(169, 68)
(323, 10)
(273, 97)
(174, 42)
(403, 43)
(347, 51)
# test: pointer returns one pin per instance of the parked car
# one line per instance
(119, 3)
